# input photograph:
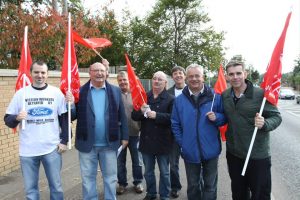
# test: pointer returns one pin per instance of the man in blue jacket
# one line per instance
(101, 126)
(195, 118)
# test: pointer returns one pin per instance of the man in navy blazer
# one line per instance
(101, 128)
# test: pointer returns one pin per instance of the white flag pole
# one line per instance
(69, 81)
(212, 103)
(253, 138)
(98, 53)
(24, 75)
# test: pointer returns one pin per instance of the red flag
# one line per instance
(219, 87)
(70, 59)
(220, 84)
(91, 43)
(138, 94)
(272, 78)
(25, 63)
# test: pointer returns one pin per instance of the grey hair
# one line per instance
(98, 63)
(161, 73)
(236, 60)
(122, 74)
(194, 65)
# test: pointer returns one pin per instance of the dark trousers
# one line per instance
(202, 179)
(137, 163)
(256, 184)
(174, 167)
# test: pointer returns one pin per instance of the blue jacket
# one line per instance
(197, 136)
(85, 129)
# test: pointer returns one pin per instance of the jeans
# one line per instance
(257, 178)
(136, 159)
(107, 158)
(164, 178)
(52, 164)
(174, 167)
(202, 179)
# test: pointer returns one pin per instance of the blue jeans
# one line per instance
(52, 164)
(174, 167)
(164, 178)
(202, 179)
(136, 159)
(107, 158)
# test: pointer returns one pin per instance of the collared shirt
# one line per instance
(235, 98)
(91, 86)
(196, 94)
(178, 91)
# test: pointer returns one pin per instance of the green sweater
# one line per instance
(240, 117)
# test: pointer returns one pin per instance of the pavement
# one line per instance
(11, 186)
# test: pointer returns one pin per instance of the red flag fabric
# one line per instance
(220, 84)
(25, 63)
(219, 87)
(272, 78)
(75, 81)
(91, 43)
(138, 93)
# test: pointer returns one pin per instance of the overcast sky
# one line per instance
(252, 26)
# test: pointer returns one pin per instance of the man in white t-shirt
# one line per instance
(45, 135)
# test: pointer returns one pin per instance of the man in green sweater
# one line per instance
(242, 103)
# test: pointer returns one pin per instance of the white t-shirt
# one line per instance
(41, 134)
(177, 92)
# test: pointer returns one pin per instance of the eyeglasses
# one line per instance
(97, 70)
(157, 79)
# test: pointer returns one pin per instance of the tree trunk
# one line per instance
(65, 7)
(54, 5)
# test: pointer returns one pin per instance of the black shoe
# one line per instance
(149, 198)
(174, 194)
(120, 190)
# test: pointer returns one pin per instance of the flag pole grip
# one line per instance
(212, 104)
(253, 138)
(98, 53)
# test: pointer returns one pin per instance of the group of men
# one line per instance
(182, 121)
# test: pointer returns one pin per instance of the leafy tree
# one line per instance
(110, 28)
(46, 35)
(175, 32)
(255, 76)
(296, 74)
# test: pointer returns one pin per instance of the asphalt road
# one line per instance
(285, 148)
(11, 186)
(285, 168)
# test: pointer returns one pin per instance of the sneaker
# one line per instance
(174, 194)
(138, 188)
(120, 190)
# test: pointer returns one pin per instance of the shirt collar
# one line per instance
(201, 91)
(103, 86)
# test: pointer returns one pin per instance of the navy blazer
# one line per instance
(85, 115)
